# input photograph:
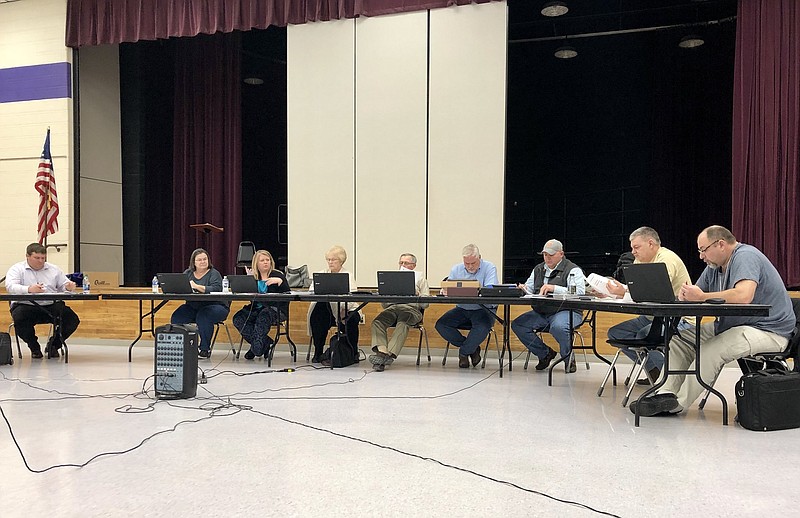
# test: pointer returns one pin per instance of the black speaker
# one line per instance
(176, 361)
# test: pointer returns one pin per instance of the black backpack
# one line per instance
(625, 259)
(341, 353)
(6, 357)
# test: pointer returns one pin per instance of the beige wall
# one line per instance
(32, 33)
(413, 160)
(101, 163)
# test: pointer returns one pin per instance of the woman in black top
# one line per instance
(255, 320)
(204, 278)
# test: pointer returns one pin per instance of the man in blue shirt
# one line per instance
(478, 318)
(739, 274)
(552, 276)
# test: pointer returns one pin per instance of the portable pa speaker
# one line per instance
(176, 361)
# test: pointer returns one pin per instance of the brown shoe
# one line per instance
(545, 362)
(475, 357)
(463, 362)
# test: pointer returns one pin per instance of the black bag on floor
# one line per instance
(769, 400)
(340, 353)
(6, 356)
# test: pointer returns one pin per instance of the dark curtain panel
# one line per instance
(207, 162)
(97, 22)
(766, 133)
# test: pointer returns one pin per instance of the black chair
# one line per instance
(576, 336)
(771, 359)
(244, 256)
(467, 327)
(217, 325)
(19, 349)
(653, 341)
(281, 329)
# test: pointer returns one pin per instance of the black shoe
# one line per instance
(571, 368)
(205, 353)
(52, 352)
(654, 375)
(475, 357)
(37, 353)
(52, 348)
(249, 355)
(463, 362)
(657, 405)
(317, 358)
(545, 362)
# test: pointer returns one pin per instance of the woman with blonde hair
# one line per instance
(255, 320)
(321, 316)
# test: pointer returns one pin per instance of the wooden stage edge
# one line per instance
(118, 320)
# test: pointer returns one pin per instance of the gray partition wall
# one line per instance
(396, 136)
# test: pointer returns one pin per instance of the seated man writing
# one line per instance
(36, 275)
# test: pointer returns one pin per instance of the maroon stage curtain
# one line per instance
(98, 22)
(766, 132)
(207, 167)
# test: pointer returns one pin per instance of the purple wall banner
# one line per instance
(36, 82)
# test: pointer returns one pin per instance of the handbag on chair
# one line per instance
(298, 277)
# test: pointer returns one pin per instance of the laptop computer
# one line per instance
(649, 282)
(331, 283)
(243, 284)
(174, 283)
(397, 282)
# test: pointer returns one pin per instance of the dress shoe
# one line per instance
(249, 355)
(657, 405)
(571, 368)
(205, 353)
(545, 362)
(52, 352)
(654, 375)
(475, 357)
(37, 353)
(317, 358)
(463, 362)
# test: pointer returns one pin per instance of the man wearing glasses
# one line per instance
(646, 248)
(739, 274)
(551, 276)
(401, 316)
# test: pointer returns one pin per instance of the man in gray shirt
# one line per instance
(739, 274)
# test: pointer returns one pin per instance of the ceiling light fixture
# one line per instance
(691, 41)
(565, 52)
(253, 81)
(554, 9)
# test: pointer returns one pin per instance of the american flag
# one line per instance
(48, 199)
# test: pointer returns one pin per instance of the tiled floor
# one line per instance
(411, 441)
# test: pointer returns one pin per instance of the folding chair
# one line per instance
(217, 325)
(576, 335)
(467, 327)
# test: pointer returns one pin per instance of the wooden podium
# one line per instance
(207, 229)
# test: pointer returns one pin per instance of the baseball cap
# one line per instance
(552, 246)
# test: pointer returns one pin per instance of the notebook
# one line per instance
(649, 282)
(397, 282)
(331, 283)
(174, 283)
(243, 284)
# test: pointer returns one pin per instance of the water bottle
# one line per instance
(226, 287)
(155, 284)
(86, 284)
(571, 287)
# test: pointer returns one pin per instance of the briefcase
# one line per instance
(769, 400)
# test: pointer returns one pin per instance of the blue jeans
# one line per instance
(478, 321)
(204, 316)
(526, 325)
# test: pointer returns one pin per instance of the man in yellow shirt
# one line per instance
(646, 248)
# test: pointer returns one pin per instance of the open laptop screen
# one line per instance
(331, 283)
(397, 282)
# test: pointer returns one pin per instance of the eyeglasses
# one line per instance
(703, 250)
(405, 263)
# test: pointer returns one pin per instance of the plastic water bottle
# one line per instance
(226, 287)
(572, 288)
(86, 284)
(155, 284)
